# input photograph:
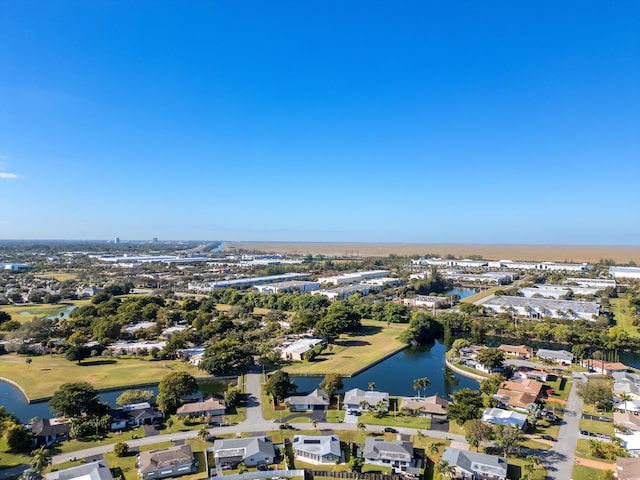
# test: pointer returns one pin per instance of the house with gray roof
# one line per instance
(474, 465)
(316, 400)
(47, 431)
(317, 449)
(396, 454)
(88, 471)
(562, 357)
(170, 462)
(625, 382)
(357, 400)
(252, 451)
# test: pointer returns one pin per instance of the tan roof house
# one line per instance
(433, 405)
(522, 351)
(170, 462)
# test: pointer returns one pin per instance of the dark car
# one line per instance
(286, 426)
(389, 430)
(548, 437)
(262, 467)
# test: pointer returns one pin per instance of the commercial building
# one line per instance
(245, 282)
(543, 307)
(624, 272)
(599, 283)
(344, 292)
(355, 277)
(288, 287)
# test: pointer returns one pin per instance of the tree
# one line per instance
(225, 356)
(31, 474)
(422, 329)
(18, 438)
(4, 317)
(172, 388)
(203, 434)
(121, 449)
(361, 427)
(466, 405)
(491, 358)
(444, 469)
(529, 466)
(421, 383)
(331, 383)
(490, 385)
(356, 463)
(279, 386)
(372, 386)
(41, 459)
(77, 353)
(508, 438)
(74, 399)
(476, 432)
(232, 396)
(134, 396)
(597, 393)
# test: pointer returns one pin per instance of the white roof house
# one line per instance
(498, 416)
(476, 465)
(296, 349)
(558, 356)
(354, 400)
(88, 471)
(252, 451)
(317, 449)
(631, 443)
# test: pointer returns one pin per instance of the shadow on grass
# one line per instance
(94, 363)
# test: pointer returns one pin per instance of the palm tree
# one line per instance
(41, 459)
(416, 386)
(624, 398)
(444, 469)
(372, 386)
(433, 448)
(203, 434)
(28, 361)
(314, 422)
(419, 383)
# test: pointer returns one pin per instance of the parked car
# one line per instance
(286, 426)
(548, 437)
(389, 430)
(262, 467)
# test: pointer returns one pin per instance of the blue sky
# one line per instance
(460, 122)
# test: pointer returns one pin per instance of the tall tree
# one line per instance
(134, 396)
(172, 388)
(331, 383)
(491, 358)
(75, 398)
(41, 459)
(466, 405)
(508, 438)
(280, 386)
(476, 432)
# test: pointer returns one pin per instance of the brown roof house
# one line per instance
(433, 405)
(211, 406)
(521, 351)
(518, 400)
(533, 387)
(171, 462)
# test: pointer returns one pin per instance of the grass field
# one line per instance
(557, 253)
(582, 450)
(560, 386)
(26, 312)
(46, 373)
(580, 472)
(355, 351)
(596, 426)
(620, 308)
(59, 276)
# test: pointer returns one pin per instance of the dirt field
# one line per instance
(555, 253)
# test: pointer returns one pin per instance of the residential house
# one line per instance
(474, 465)
(316, 400)
(631, 443)
(87, 471)
(317, 449)
(396, 454)
(498, 416)
(170, 462)
(628, 468)
(625, 382)
(212, 406)
(252, 451)
(47, 431)
(562, 357)
(605, 368)
(520, 351)
(433, 405)
(356, 400)
(296, 350)
(532, 373)
(137, 414)
(627, 421)
(517, 400)
(532, 387)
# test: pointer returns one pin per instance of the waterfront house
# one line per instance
(317, 449)
(47, 431)
(433, 405)
(316, 400)
(532, 387)
(517, 400)
(357, 400)
(212, 406)
(251, 451)
(474, 465)
(562, 357)
(605, 368)
(520, 351)
(170, 462)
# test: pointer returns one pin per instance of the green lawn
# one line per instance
(596, 426)
(354, 351)
(46, 373)
(620, 308)
(581, 472)
(25, 312)
(561, 387)
(515, 468)
(582, 450)
(8, 459)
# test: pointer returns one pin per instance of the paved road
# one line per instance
(254, 422)
(560, 460)
(12, 471)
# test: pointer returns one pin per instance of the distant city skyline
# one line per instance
(425, 122)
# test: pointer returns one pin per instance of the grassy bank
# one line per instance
(355, 351)
(45, 374)
(620, 309)
(26, 312)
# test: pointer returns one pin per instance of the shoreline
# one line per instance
(464, 373)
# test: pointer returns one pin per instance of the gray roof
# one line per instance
(474, 462)
(317, 397)
(555, 354)
(153, 460)
(590, 308)
(243, 447)
(317, 444)
(94, 471)
(45, 427)
(377, 449)
(356, 395)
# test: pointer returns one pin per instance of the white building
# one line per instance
(317, 449)
(544, 307)
(296, 350)
(486, 278)
(426, 301)
(624, 272)
(288, 287)
(357, 400)
(498, 416)
(598, 283)
(396, 454)
(343, 292)
(245, 282)
(355, 277)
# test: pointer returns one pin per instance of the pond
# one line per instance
(461, 292)
(397, 373)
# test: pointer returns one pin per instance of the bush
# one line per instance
(121, 449)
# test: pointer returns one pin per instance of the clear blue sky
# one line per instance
(451, 121)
